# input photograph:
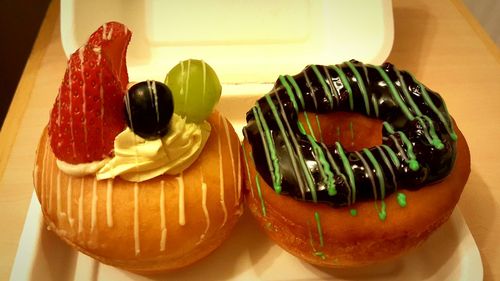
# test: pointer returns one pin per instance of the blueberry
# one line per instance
(149, 107)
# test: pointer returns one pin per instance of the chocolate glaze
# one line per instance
(418, 143)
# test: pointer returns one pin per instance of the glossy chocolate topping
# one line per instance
(418, 143)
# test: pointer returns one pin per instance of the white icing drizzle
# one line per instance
(104, 26)
(70, 82)
(152, 90)
(110, 33)
(187, 83)
(59, 102)
(204, 88)
(109, 203)
(58, 195)
(124, 50)
(137, 244)
(226, 130)
(204, 207)
(221, 177)
(182, 92)
(69, 201)
(80, 207)
(129, 111)
(163, 223)
(238, 182)
(311, 90)
(84, 105)
(106, 35)
(398, 146)
(388, 165)
(182, 214)
(44, 173)
(51, 183)
(93, 214)
(295, 144)
(330, 83)
(368, 171)
(101, 91)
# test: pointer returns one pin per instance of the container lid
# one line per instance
(244, 41)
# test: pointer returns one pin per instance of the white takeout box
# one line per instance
(248, 43)
(244, 41)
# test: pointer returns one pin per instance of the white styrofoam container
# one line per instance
(248, 43)
(450, 254)
(244, 41)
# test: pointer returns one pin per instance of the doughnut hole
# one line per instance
(353, 130)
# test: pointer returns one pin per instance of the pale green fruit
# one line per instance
(196, 89)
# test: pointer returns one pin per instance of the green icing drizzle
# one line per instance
(382, 215)
(428, 100)
(323, 84)
(319, 129)
(318, 226)
(301, 99)
(297, 90)
(324, 168)
(389, 128)
(353, 212)
(361, 85)
(378, 172)
(271, 150)
(289, 92)
(311, 242)
(345, 81)
(320, 254)
(412, 162)
(392, 155)
(289, 148)
(431, 135)
(401, 197)
(308, 125)
(406, 93)
(348, 170)
(301, 129)
(337, 171)
(375, 105)
(394, 92)
(435, 139)
(386, 161)
(259, 191)
(421, 121)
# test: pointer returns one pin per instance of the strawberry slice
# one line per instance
(88, 112)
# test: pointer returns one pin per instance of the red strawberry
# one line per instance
(88, 112)
(113, 38)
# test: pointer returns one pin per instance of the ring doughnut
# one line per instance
(292, 147)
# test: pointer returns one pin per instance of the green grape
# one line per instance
(195, 88)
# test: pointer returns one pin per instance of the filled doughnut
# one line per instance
(352, 164)
(136, 178)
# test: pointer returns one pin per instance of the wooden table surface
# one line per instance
(439, 41)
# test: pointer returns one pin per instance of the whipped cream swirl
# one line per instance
(137, 159)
